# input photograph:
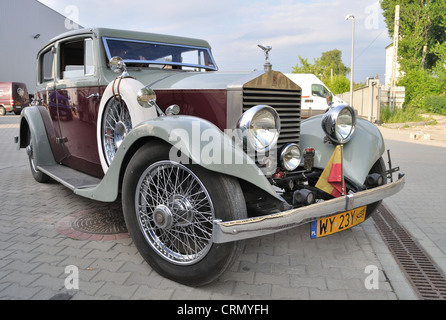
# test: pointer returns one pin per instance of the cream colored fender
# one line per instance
(127, 88)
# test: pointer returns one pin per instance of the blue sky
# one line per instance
(234, 28)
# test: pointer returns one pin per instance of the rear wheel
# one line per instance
(2, 111)
(169, 210)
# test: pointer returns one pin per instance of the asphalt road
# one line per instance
(421, 205)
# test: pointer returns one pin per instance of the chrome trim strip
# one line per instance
(264, 225)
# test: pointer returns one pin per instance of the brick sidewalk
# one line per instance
(34, 255)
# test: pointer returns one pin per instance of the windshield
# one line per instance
(160, 55)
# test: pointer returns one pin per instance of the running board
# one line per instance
(70, 178)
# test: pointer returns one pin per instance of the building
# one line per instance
(389, 65)
(25, 27)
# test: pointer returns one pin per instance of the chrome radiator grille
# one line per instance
(287, 103)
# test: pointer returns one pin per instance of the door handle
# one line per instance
(95, 95)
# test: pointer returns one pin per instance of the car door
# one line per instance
(47, 96)
(319, 96)
(78, 105)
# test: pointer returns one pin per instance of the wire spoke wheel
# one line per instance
(169, 209)
(116, 124)
(175, 212)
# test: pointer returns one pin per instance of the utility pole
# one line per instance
(396, 38)
(352, 17)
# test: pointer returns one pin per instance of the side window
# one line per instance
(319, 90)
(76, 59)
(46, 67)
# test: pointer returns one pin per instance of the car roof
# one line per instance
(134, 35)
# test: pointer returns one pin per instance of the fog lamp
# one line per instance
(290, 157)
(303, 196)
(374, 180)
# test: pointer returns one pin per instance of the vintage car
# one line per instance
(200, 159)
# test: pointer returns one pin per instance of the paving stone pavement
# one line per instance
(34, 256)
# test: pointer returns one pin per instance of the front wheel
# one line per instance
(169, 209)
(378, 167)
(116, 124)
(38, 175)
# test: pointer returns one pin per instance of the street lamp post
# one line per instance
(352, 17)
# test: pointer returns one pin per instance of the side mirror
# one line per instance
(117, 65)
(329, 99)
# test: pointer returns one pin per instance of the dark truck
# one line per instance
(13, 97)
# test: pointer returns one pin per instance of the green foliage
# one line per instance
(422, 47)
(339, 84)
(400, 115)
(419, 83)
(435, 104)
(323, 66)
(422, 25)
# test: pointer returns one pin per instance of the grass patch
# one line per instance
(401, 115)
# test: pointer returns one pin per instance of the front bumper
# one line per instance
(259, 226)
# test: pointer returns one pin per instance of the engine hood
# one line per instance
(212, 80)
(194, 80)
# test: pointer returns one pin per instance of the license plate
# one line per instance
(336, 223)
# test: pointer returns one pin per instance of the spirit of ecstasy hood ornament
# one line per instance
(266, 50)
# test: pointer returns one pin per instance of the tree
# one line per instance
(329, 63)
(422, 46)
(339, 84)
(422, 26)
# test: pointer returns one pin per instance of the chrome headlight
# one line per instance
(339, 124)
(260, 127)
(290, 157)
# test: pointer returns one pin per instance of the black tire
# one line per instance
(38, 175)
(173, 228)
(378, 167)
(2, 111)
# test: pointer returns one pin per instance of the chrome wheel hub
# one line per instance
(174, 212)
(162, 217)
(120, 133)
(183, 210)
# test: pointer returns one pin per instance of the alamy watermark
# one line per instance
(199, 144)
(72, 280)
(373, 14)
(72, 20)
(371, 282)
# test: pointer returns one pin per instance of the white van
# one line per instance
(314, 94)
